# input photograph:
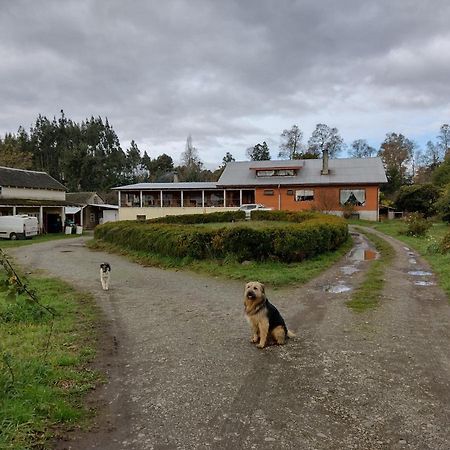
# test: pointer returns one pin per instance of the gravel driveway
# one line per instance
(183, 373)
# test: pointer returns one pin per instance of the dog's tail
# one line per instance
(291, 334)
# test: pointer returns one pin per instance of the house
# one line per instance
(35, 194)
(335, 186)
(91, 209)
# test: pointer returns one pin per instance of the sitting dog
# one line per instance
(105, 275)
(265, 320)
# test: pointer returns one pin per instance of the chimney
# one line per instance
(325, 163)
(175, 177)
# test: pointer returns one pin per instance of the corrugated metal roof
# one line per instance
(341, 171)
(28, 179)
(167, 186)
(243, 173)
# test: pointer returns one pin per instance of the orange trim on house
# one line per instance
(326, 198)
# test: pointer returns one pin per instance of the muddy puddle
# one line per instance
(360, 253)
(337, 289)
(349, 270)
(419, 273)
(423, 283)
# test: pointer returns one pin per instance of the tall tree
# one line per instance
(444, 139)
(191, 167)
(396, 151)
(135, 171)
(227, 158)
(13, 155)
(259, 152)
(325, 138)
(291, 144)
(361, 149)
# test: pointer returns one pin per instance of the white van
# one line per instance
(18, 227)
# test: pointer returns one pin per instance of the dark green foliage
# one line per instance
(444, 245)
(285, 216)
(417, 225)
(441, 176)
(443, 204)
(217, 217)
(419, 198)
(293, 242)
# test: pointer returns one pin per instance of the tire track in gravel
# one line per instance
(185, 376)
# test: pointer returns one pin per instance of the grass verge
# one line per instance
(367, 295)
(425, 246)
(271, 272)
(41, 390)
(6, 243)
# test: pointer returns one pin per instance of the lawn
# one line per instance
(44, 368)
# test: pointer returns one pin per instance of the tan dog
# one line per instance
(264, 318)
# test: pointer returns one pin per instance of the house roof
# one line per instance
(344, 171)
(32, 202)
(28, 179)
(341, 171)
(81, 197)
(166, 186)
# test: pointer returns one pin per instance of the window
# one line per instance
(355, 197)
(275, 173)
(268, 191)
(304, 195)
(141, 217)
(289, 192)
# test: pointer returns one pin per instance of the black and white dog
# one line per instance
(105, 275)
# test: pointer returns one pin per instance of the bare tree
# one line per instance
(361, 149)
(444, 139)
(325, 138)
(291, 145)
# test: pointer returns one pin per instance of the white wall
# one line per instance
(32, 194)
(128, 213)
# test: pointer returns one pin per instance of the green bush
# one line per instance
(419, 198)
(216, 217)
(285, 216)
(293, 242)
(444, 246)
(443, 204)
(417, 224)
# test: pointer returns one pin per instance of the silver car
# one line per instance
(249, 207)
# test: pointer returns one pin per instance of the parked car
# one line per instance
(18, 227)
(249, 207)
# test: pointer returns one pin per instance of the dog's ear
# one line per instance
(263, 289)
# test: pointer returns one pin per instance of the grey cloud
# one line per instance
(230, 73)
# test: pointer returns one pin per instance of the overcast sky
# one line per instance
(231, 73)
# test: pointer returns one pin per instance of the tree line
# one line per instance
(87, 156)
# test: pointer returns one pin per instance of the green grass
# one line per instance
(271, 272)
(6, 243)
(40, 395)
(426, 246)
(368, 294)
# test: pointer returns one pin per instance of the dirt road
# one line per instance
(183, 373)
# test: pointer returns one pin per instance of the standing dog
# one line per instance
(265, 320)
(105, 275)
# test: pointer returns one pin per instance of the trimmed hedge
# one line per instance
(216, 217)
(293, 242)
(286, 216)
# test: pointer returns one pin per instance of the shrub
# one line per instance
(284, 216)
(292, 242)
(417, 224)
(444, 246)
(419, 198)
(443, 204)
(216, 217)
